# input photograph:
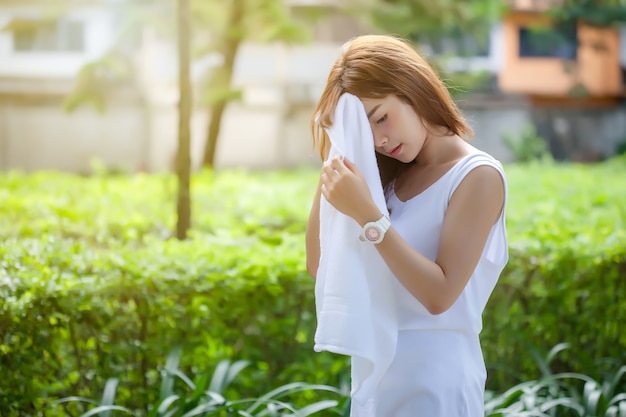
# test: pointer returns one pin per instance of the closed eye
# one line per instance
(382, 119)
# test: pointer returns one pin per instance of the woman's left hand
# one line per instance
(345, 188)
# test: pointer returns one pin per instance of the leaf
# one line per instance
(184, 378)
(233, 371)
(105, 410)
(171, 365)
(163, 406)
(565, 402)
(316, 407)
(203, 409)
(615, 381)
(219, 376)
(556, 350)
(591, 397)
(108, 396)
(77, 399)
(287, 389)
(618, 398)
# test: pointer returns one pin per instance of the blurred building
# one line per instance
(572, 75)
(42, 53)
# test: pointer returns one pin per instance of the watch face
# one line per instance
(372, 234)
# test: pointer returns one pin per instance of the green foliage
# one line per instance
(411, 18)
(97, 79)
(563, 283)
(564, 394)
(180, 395)
(528, 145)
(601, 13)
(92, 288)
(463, 83)
(261, 21)
(227, 26)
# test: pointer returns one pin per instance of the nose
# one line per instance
(380, 140)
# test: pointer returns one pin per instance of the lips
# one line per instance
(395, 151)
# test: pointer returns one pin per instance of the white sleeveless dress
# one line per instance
(438, 369)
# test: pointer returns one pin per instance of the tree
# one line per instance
(97, 78)
(183, 159)
(219, 87)
(426, 22)
(417, 18)
(229, 24)
(225, 24)
(598, 13)
(271, 20)
(221, 27)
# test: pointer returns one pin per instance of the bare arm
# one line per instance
(474, 208)
(312, 235)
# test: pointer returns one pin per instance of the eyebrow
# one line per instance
(371, 112)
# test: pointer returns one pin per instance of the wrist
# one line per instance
(369, 215)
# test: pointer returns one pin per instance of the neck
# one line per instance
(437, 148)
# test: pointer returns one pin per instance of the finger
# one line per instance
(324, 191)
(338, 165)
(330, 171)
(348, 163)
(327, 169)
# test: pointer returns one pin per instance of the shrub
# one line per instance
(527, 146)
(563, 283)
(92, 288)
(74, 317)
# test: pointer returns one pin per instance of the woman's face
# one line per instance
(398, 131)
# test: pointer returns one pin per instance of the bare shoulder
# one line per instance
(481, 193)
(484, 176)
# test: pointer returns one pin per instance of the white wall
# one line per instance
(259, 132)
(40, 137)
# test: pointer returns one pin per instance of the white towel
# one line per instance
(356, 313)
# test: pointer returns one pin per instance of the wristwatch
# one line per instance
(374, 232)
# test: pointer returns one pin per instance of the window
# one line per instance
(48, 36)
(548, 43)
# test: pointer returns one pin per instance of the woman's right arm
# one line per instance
(312, 234)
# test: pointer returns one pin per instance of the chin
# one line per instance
(406, 160)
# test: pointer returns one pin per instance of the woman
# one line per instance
(446, 245)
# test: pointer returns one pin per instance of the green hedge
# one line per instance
(565, 281)
(93, 288)
(75, 317)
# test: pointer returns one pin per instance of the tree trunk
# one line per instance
(222, 79)
(215, 124)
(183, 157)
